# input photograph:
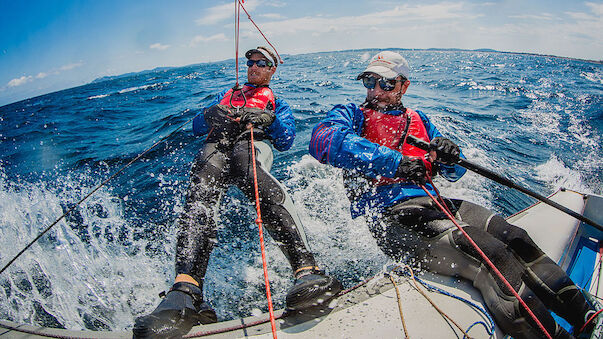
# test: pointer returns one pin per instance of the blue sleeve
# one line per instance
(200, 127)
(282, 130)
(450, 172)
(336, 141)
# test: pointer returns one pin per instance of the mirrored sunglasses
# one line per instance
(385, 84)
(260, 63)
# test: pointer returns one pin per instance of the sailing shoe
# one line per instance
(312, 289)
(180, 310)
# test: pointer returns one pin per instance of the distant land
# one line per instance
(484, 50)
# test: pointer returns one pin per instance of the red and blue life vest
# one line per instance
(388, 130)
(258, 97)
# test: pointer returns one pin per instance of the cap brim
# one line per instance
(250, 52)
(385, 72)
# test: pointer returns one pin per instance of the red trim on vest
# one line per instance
(257, 97)
(386, 130)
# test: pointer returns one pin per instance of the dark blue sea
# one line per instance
(535, 119)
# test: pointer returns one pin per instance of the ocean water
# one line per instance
(535, 119)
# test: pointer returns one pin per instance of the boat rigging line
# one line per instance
(76, 205)
(399, 299)
(237, 87)
(506, 182)
(486, 259)
(259, 222)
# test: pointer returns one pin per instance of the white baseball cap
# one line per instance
(387, 64)
(267, 53)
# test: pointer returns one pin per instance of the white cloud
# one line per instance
(19, 81)
(272, 16)
(444, 24)
(543, 16)
(596, 8)
(41, 75)
(200, 38)
(71, 66)
(396, 17)
(159, 46)
(222, 12)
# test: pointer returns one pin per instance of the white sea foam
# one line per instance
(325, 212)
(72, 279)
(144, 87)
(592, 76)
(558, 175)
(98, 96)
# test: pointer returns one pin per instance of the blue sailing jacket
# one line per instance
(281, 132)
(337, 140)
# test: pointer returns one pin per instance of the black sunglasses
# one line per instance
(260, 63)
(385, 84)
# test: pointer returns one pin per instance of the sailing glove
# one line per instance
(447, 151)
(412, 169)
(260, 118)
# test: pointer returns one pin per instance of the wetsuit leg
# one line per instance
(445, 250)
(552, 285)
(278, 213)
(196, 224)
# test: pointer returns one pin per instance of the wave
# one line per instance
(100, 96)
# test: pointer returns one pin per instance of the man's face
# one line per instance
(259, 75)
(382, 98)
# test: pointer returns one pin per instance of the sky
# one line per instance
(49, 45)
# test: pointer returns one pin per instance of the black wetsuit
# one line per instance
(417, 227)
(216, 167)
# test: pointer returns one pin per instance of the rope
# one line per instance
(236, 24)
(37, 333)
(238, 6)
(259, 222)
(489, 327)
(92, 192)
(442, 313)
(259, 30)
(490, 264)
(590, 320)
(399, 306)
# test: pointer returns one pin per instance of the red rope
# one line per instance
(237, 21)
(438, 193)
(259, 222)
(487, 260)
(259, 30)
(590, 320)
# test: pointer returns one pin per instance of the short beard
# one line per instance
(372, 104)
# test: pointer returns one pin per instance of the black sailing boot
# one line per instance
(312, 287)
(180, 310)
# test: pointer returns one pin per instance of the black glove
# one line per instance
(261, 118)
(217, 116)
(446, 150)
(412, 169)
